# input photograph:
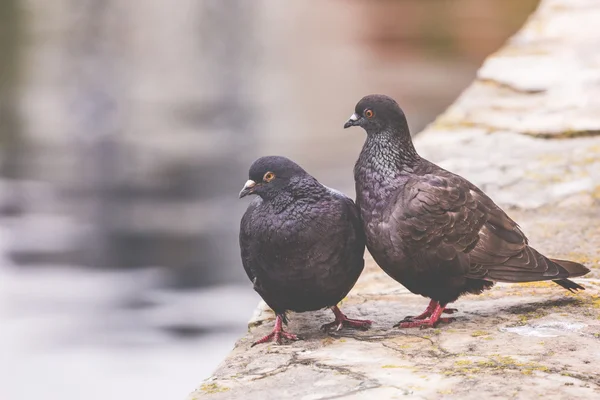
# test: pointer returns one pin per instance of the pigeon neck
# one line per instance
(281, 201)
(297, 191)
(390, 152)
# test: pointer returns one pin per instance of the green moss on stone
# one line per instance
(211, 388)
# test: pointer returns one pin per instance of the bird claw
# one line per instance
(277, 334)
(408, 318)
(276, 337)
(328, 326)
(347, 323)
(426, 314)
(342, 321)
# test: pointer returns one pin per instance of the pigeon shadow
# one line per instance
(527, 308)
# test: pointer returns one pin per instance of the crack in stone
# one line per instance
(564, 135)
(295, 360)
(274, 372)
(583, 378)
(365, 381)
(377, 337)
(508, 86)
(489, 129)
(339, 396)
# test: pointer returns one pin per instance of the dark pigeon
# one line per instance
(431, 230)
(302, 243)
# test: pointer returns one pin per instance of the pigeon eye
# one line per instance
(369, 113)
(269, 176)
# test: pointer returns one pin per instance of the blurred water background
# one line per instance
(126, 131)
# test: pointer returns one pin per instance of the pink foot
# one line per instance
(342, 321)
(277, 334)
(433, 319)
(428, 311)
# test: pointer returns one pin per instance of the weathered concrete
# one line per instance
(525, 133)
(544, 81)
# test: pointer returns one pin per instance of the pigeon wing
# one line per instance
(438, 215)
(503, 253)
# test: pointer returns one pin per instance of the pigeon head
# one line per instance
(269, 176)
(377, 113)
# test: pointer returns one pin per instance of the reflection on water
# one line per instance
(73, 334)
(126, 131)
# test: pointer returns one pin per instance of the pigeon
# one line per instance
(302, 243)
(431, 230)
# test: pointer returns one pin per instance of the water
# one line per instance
(69, 333)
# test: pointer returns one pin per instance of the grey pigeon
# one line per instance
(431, 230)
(302, 243)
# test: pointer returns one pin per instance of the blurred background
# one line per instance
(126, 131)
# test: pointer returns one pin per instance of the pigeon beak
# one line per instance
(248, 188)
(353, 121)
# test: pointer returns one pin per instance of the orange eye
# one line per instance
(269, 176)
(369, 114)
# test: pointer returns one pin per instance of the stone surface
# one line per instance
(524, 131)
(544, 81)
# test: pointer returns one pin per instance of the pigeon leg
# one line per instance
(425, 314)
(430, 322)
(276, 334)
(342, 321)
(428, 311)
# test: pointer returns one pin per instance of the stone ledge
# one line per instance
(527, 339)
(523, 341)
(544, 81)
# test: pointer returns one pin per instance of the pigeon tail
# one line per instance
(574, 269)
